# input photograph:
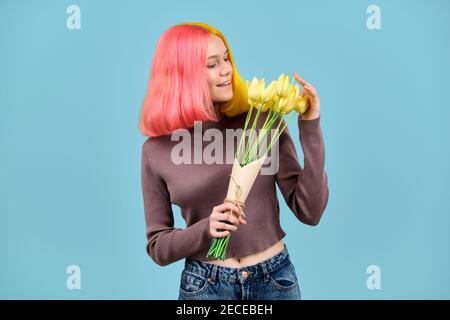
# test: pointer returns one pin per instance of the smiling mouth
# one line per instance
(226, 84)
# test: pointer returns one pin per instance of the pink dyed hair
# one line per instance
(178, 93)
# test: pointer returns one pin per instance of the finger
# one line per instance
(237, 210)
(242, 220)
(222, 234)
(308, 92)
(229, 218)
(300, 79)
(216, 216)
(230, 207)
(226, 206)
(226, 226)
(218, 225)
(239, 220)
(241, 216)
(311, 88)
(304, 90)
(312, 91)
(308, 87)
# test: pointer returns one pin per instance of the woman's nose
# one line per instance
(226, 70)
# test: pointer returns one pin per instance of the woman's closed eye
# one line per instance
(213, 65)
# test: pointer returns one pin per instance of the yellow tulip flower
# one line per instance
(282, 85)
(302, 105)
(268, 105)
(290, 105)
(293, 92)
(269, 92)
(254, 89)
(279, 106)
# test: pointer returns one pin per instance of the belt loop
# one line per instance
(265, 271)
(212, 277)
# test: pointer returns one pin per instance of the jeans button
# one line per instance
(244, 274)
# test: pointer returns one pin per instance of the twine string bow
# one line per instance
(237, 196)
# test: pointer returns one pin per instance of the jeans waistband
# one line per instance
(261, 269)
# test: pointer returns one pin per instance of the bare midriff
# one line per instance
(252, 259)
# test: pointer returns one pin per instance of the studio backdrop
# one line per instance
(73, 75)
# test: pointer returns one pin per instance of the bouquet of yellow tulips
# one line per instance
(279, 98)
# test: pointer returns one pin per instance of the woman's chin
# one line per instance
(224, 98)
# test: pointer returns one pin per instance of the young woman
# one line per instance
(194, 80)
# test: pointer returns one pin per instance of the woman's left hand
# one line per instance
(313, 111)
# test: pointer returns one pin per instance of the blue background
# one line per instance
(70, 146)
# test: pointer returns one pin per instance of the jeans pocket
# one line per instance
(284, 278)
(192, 284)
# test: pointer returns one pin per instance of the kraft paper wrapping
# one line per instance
(241, 181)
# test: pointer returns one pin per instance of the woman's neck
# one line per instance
(217, 107)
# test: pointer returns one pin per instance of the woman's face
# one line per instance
(219, 70)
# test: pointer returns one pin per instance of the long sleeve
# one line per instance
(166, 244)
(304, 189)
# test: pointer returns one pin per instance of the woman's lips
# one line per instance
(229, 83)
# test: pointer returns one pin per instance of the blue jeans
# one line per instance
(272, 279)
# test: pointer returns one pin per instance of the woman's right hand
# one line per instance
(221, 222)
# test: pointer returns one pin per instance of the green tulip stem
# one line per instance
(269, 127)
(280, 132)
(247, 119)
(272, 118)
(266, 127)
(255, 121)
